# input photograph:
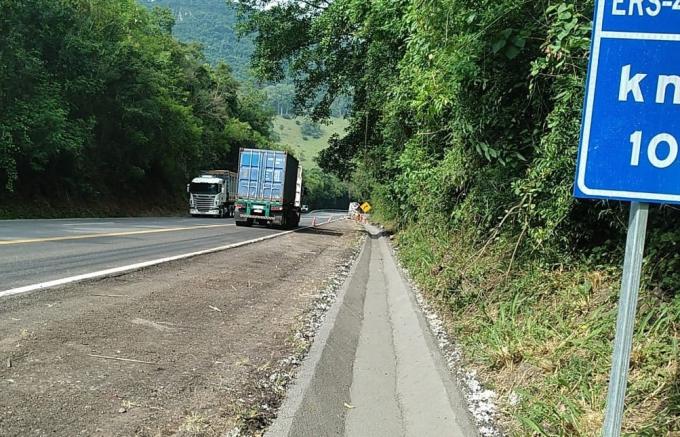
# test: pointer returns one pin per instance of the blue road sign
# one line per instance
(631, 123)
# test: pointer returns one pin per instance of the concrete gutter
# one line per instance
(374, 368)
(330, 359)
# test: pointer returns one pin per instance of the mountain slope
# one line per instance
(213, 24)
(307, 146)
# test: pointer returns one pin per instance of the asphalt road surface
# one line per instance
(36, 251)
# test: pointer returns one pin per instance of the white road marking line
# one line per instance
(89, 224)
(138, 266)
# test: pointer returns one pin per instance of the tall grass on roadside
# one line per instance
(541, 335)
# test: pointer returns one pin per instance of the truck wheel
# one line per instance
(290, 221)
(247, 222)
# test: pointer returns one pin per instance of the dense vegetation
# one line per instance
(324, 190)
(212, 23)
(101, 104)
(463, 133)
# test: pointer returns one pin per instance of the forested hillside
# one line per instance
(463, 133)
(212, 23)
(101, 107)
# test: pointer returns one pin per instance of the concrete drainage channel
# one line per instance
(374, 367)
(138, 266)
(347, 305)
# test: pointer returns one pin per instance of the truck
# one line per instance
(213, 194)
(269, 188)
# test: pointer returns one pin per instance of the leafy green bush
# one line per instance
(311, 129)
(324, 191)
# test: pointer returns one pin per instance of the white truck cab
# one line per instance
(212, 194)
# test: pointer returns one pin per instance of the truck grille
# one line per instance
(204, 202)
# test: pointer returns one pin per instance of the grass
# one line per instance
(309, 148)
(541, 335)
(194, 424)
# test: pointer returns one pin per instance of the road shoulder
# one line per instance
(194, 346)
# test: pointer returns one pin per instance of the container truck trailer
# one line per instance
(269, 188)
(213, 194)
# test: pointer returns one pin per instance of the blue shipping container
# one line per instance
(266, 175)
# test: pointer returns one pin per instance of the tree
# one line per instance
(324, 191)
(464, 123)
(213, 25)
(101, 99)
(282, 97)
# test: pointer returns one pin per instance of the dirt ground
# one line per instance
(202, 333)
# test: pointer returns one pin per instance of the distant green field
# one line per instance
(308, 149)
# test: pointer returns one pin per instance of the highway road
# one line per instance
(38, 251)
(183, 348)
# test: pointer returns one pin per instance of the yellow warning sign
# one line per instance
(366, 207)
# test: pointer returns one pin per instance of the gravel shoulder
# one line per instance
(179, 348)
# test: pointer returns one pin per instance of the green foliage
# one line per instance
(213, 24)
(289, 132)
(311, 129)
(281, 98)
(471, 97)
(324, 190)
(463, 133)
(542, 334)
(100, 99)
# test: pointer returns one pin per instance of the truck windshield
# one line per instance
(203, 188)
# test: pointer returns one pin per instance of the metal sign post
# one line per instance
(630, 142)
(630, 285)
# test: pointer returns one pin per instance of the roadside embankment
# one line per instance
(541, 335)
(21, 207)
